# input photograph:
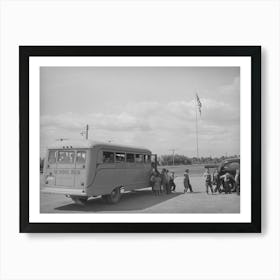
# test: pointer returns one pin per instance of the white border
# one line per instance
(34, 137)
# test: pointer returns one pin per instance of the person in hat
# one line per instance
(172, 184)
(216, 181)
(164, 181)
(208, 183)
(168, 188)
(152, 180)
(226, 178)
(187, 183)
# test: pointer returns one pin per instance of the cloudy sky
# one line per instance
(152, 107)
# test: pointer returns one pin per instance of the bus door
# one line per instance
(80, 171)
(50, 167)
(154, 161)
(51, 162)
(64, 169)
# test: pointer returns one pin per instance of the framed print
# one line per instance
(140, 138)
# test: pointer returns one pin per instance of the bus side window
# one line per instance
(130, 158)
(81, 157)
(147, 158)
(52, 157)
(108, 157)
(120, 157)
(139, 158)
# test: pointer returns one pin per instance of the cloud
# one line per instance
(156, 125)
(219, 112)
(231, 89)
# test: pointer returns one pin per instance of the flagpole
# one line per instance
(197, 155)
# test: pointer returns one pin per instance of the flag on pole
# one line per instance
(199, 105)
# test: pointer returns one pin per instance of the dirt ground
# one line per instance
(143, 201)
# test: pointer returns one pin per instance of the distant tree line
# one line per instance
(184, 160)
(178, 160)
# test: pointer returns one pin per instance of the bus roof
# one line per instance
(78, 144)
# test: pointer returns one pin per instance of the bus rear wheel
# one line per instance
(114, 196)
(79, 200)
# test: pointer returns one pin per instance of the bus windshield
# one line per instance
(66, 157)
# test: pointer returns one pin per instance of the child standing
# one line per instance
(226, 179)
(171, 182)
(157, 184)
(208, 183)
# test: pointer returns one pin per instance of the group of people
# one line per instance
(228, 181)
(162, 182)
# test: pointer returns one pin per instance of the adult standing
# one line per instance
(168, 189)
(226, 178)
(172, 184)
(208, 183)
(164, 181)
(187, 183)
(152, 180)
(216, 181)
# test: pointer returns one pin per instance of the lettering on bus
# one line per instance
(66, 171)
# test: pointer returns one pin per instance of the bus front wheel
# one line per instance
(114, 196)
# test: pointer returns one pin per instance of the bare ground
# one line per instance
(143, 201)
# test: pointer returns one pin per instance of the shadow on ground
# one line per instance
(135, 200)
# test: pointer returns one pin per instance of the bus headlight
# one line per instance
(49, 179)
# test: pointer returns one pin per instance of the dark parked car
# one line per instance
(227, 166)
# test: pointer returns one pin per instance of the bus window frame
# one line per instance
(147, 158)
(55, 152)
(143, 158)
(131, 153)
(79, 164)
(116, 161)
(66, 163)
(102, 157)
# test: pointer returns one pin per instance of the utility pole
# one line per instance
(85, 131)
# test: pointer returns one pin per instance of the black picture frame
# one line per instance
(254, 52)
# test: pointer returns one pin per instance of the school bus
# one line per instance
(84, 169)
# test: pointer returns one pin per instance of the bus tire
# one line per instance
(79, 200)
(104, 198)
(114, 196)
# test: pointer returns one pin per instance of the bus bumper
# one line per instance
(63, 190)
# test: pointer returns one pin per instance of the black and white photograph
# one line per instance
(127, 136)
(140, 140)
